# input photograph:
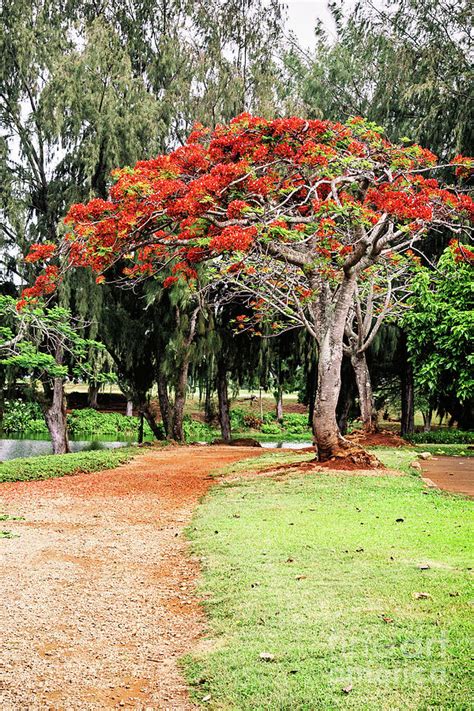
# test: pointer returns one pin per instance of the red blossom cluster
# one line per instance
(40, 252)
(288, 180)
(462, 253)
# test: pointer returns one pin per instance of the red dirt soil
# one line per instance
(98, 589)
(455, 474)
(384, 438)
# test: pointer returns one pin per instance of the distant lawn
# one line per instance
(317, 571)
(46, 467)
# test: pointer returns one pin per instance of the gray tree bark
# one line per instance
(56, 418)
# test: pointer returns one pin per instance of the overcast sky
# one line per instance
(302, 17)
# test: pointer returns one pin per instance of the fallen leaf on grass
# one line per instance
(424, 566)
(301, 577)
(207, 698)
(421, 596)
(399, 520)
(388, 620)
(266, 656)
(347, 689)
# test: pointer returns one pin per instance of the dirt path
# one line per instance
(454, 474)
(97, 592)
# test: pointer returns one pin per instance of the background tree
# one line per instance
(440, 331)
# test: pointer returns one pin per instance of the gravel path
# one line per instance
(97, 590)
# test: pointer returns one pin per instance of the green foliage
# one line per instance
(440, 328)
(295, 423)
(101, 423)
(237, 415)
(21, 416)
(442, 436)
(196, 431)
(271, 428)
(46, 467)
(317, 571)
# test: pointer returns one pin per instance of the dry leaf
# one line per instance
(266, 657)
(347, 689)
(421, 596)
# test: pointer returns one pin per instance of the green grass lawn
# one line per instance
(48, 466)
(321, 571)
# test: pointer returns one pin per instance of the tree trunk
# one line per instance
(165, 405)
(173, 412)
(208, 402)
(346, 396)
(329, 441)
(56, 418)
(140, 428)
(279, 404)
(92, 395)
(427, 416)
(177, 431)
(364, 389)
(150, 418)
(311, 387)
(129, 410)
(223, 398)
(407, 393)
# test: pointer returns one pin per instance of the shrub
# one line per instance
(46, 467)
(442, 436)
(21, 416)
(295, 423)
(271, 428)
(194, 430)
(101, 423)
(237, 415)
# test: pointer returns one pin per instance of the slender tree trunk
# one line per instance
(364, 389)
(92, 395)
(129, 410)
(407, 393)
(279, 404)
(223, 398)
(140, 428)
(165, 405)
(177, 431)
(56, 418)
(311, 387)
(346, 397)
(427, 417)
(208, 403)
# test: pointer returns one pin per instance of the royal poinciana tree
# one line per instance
(290, 212)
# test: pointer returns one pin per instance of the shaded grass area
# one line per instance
(46, 467)
(321, 571)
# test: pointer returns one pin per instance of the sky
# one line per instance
(302, 17)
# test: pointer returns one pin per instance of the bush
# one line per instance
(295, 423)
(237, 415)
(271, 428)
(442, 436)
(21, 416)
(54, 465)
(196, 431)
(101, 423)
